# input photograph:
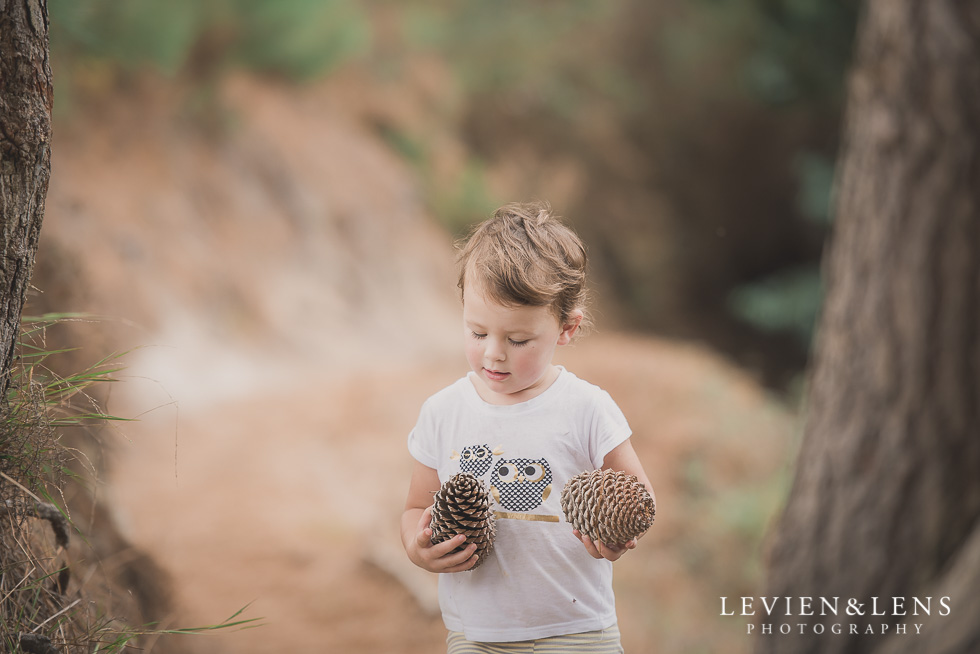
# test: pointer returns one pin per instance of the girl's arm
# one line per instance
(622, 457)
(416, 533)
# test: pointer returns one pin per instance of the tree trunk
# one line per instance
(886, 497)
(25, 158)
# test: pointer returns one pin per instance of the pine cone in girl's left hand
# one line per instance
(462, 506)
(608, 506)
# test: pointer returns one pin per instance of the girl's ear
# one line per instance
(570, 327)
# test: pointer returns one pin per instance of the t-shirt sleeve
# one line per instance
(609, 428)
(422, 438)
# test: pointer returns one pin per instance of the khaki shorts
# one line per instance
(604, 641)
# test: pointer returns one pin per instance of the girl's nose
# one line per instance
(494, 350)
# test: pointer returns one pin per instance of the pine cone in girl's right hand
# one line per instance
(608, 506)
(462, 506)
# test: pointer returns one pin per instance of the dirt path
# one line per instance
(289, 500)
(283, 500)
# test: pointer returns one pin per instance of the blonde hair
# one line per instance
(524, 255)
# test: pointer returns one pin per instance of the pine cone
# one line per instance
(462, 506)
(608, 506)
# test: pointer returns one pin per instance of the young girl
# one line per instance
(524, 426)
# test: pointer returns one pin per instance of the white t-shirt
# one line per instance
(539, 581)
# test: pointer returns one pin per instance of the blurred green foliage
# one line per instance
(802, 49)
(301, 38)
(780, 51)
(511, 47)
(670, 76)
(793, 53)
(564, 53)
(456, 203)
(788, 300)
(297, 38)
(815, 173)
(727, 108)
(131, 33)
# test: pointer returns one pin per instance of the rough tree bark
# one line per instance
(886, 497)
(25, 159)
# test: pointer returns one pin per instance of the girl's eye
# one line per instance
(475, 335)
(519, 343)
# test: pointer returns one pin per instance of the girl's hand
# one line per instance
(440, 557)
(600, 550)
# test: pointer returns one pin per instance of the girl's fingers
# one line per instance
(599, 550)
(449, 561)
(465, 565)
(423, 539)
(442, 549)
(441, 556)
(590, 547)
(425, 519)
(612, 552)
(461, 560)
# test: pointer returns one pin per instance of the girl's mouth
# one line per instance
(495, 375)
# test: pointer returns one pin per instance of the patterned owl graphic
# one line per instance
(521, 484)
(476, 459)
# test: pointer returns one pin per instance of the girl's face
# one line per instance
(510, 348)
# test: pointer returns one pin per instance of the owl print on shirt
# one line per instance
(519, 485)
(476, 458)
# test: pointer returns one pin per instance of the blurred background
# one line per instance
(260, 201)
